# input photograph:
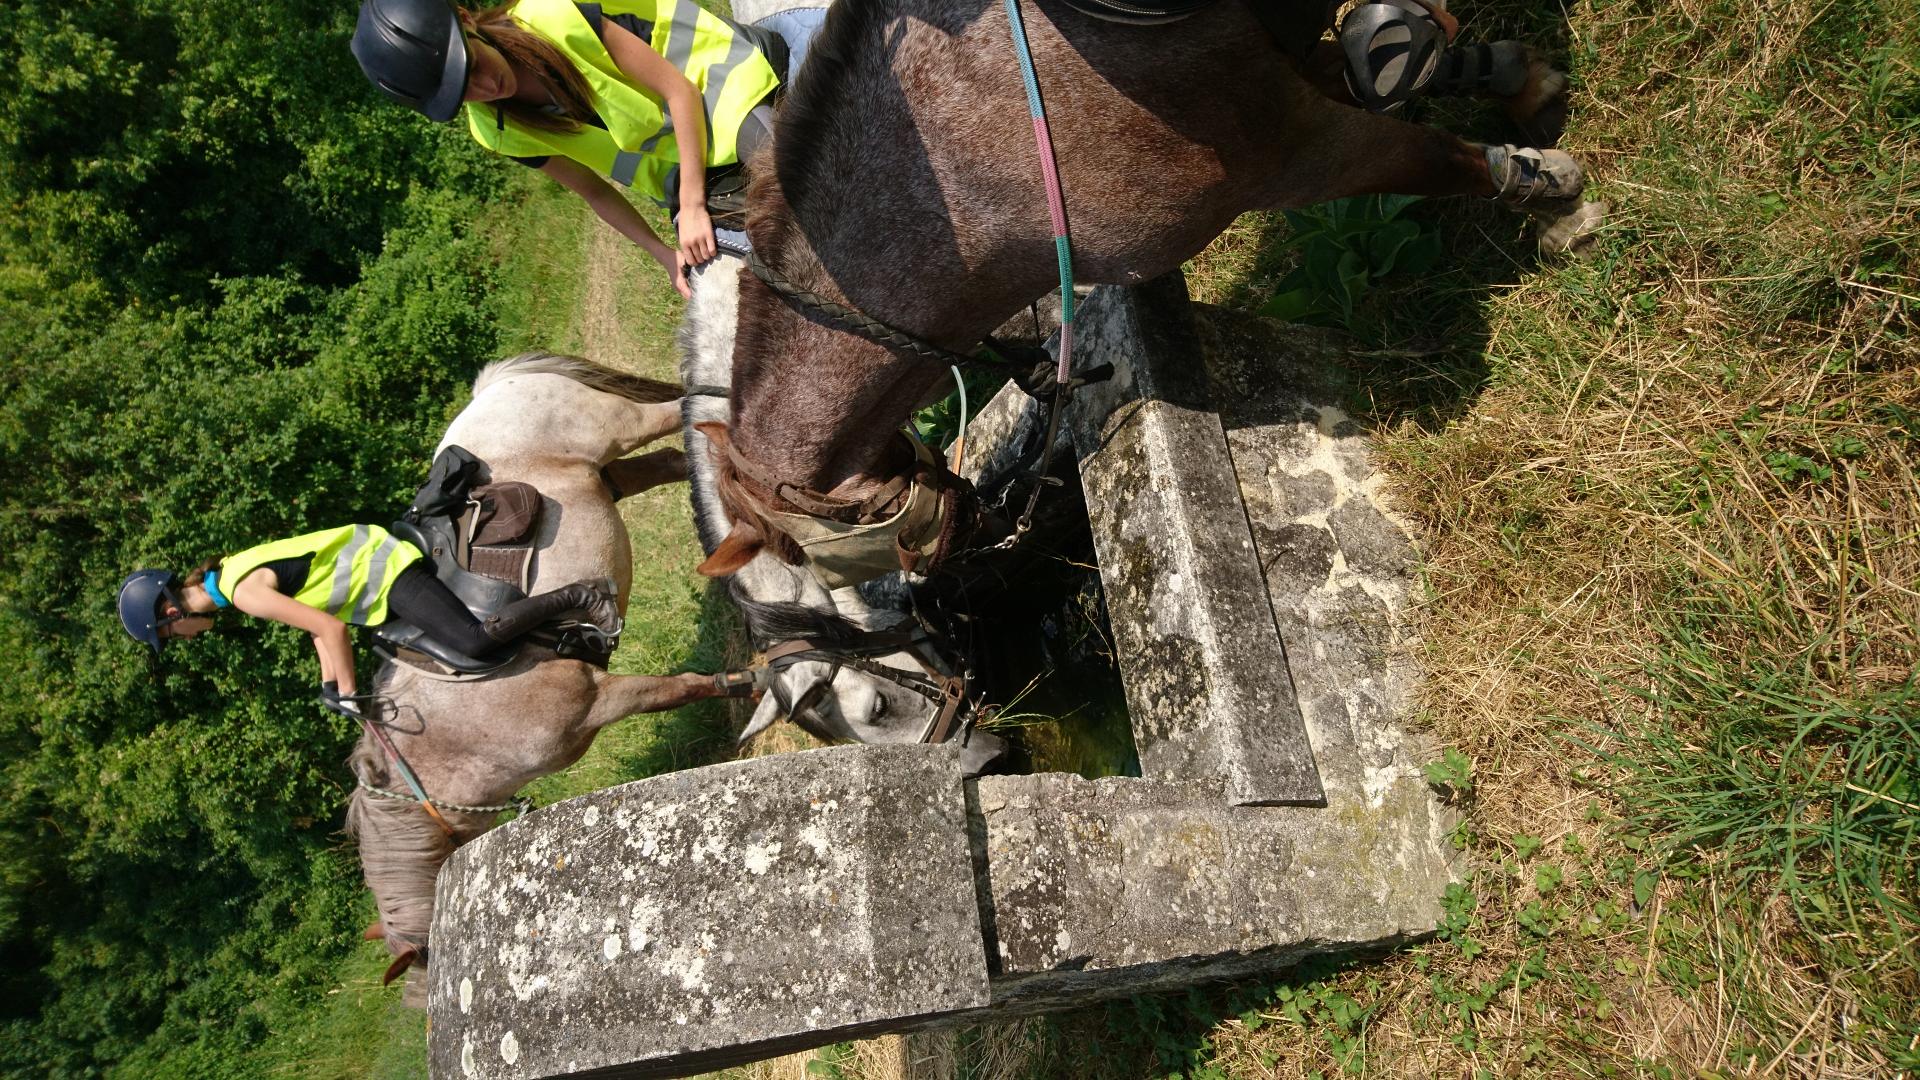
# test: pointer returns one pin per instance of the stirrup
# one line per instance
(583, 638)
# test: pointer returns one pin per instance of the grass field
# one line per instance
(1670, 519)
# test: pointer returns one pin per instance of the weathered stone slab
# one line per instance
(710, 917)
(1107, 887)
(1338, 563)
(1205, 671)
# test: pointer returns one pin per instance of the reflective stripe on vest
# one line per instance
(637, 147)
(351, 571)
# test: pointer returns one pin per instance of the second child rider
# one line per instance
(650, 94)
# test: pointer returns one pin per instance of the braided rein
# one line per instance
(857, 322)
(521, 804)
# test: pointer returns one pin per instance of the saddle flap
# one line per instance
(436, 538)
(398, 634)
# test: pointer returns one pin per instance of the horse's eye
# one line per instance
(879, 706)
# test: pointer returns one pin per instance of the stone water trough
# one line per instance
(1256, 588)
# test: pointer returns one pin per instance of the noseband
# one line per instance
(946, 693)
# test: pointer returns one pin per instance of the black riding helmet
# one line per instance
(415, 51)
(140, 597)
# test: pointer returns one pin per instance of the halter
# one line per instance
(947, 693)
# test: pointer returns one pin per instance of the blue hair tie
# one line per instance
(212, 584)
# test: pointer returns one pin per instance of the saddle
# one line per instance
(479, 539)
(1295, 27)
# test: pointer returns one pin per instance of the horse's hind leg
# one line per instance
(633, 475)
(1339, 152)
(1531, 91)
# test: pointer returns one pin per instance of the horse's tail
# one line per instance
(585, 372)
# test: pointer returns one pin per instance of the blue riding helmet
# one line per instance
(140, 597)
(415, 51)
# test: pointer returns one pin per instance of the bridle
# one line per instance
(946, 693)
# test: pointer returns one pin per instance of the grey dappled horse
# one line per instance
(554, 422)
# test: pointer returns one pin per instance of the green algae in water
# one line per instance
(1049, 667)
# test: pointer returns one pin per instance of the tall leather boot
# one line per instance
(593, 604)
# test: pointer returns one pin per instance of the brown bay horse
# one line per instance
(903, 182)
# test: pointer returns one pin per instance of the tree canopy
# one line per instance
(239, 292)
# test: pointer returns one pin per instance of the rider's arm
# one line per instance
(640, 63)
(614, 209)
(256, 595)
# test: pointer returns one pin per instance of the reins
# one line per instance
(374, 727)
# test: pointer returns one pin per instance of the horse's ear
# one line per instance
(400, 964)
(738, 549)
(764, 717)
(716, 433)
(375, 931)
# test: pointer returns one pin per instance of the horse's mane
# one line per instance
(786, 620)
(814, 119)
(581, 370)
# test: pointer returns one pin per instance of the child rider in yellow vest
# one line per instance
(591, 94)
(322, 581)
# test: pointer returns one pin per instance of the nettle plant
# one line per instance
(1345, 246)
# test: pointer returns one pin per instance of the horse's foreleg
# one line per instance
(633, 475)
(620, 696)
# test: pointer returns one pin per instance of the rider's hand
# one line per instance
(696, 235)
(676, 265)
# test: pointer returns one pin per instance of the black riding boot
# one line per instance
(591, 603)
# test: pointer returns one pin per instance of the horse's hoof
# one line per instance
(1545, 184)
(1540, 108)
(1572, 234)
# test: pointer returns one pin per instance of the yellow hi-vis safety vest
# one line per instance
(354, 567)
(637, 147)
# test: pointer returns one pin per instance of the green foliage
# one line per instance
(1344, 247)
(1453, 773)
(236, 297)
(147, 147)
(939, 424)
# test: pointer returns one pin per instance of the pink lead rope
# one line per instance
(1050, 176)
(1057, 207)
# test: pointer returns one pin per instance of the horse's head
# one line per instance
(872, 677)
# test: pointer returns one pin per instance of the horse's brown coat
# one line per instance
(903, 181)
